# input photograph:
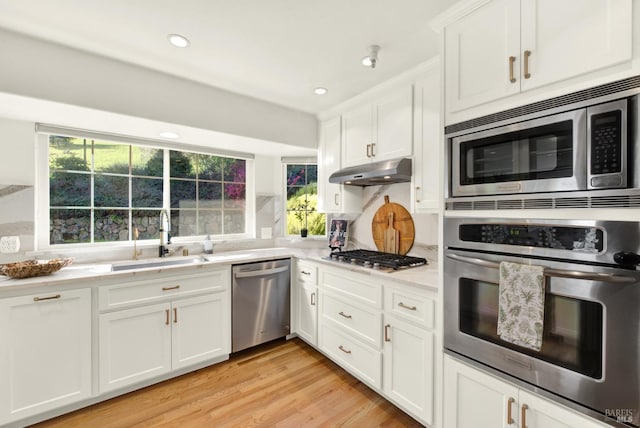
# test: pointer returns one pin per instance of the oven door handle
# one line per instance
(573, 274)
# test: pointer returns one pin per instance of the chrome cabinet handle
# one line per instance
(373, 146)
(417, 189)
(559, 273)
(344, 315)
(368, 150)
(313, 299)
(175, 315)
(175, 287)
(166, 320)
(386, 333)
(335, 199)
(346, 351)
(512, 60)
(523, 416)
(411, 308)
(40, 299)
(527, 54)
(304, 272)
(509, 417)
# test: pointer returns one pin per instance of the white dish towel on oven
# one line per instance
(521, 304)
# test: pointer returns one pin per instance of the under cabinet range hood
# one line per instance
(374, 174)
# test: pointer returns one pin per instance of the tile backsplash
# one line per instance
(17, 218)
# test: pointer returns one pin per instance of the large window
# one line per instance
(302, 200)
(99, 191)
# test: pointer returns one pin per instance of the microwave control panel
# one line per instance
(606, 143)
(588, 239)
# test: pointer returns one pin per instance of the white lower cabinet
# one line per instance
(408, 367)
(474, 399)
(383, 333)
(305, 290)
(45, 356)
(143, 342)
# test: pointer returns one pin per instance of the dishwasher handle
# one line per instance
(263, 272)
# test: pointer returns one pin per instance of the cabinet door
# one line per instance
(308, 314)
(393, 126)
(408, 367)
(45, 356)
(334, 198)
(329, 197)
(200, 329)
(473, 399)
(357, 136)
(541, 413)
(428, 141)
(135, 345)
(573, 37)
(478, 47)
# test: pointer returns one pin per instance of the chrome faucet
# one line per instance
(165, 233)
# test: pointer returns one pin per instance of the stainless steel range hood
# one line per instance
(374, 174)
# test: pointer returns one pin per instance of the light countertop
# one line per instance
(97, 273)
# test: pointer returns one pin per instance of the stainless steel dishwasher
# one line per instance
(260, 303)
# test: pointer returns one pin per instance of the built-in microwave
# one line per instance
(561, 150)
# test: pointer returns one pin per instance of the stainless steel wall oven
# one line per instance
(590, 353)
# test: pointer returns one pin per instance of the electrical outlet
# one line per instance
(9, 244)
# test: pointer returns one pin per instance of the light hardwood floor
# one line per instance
(281, 384)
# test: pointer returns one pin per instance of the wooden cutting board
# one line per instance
(402, 223)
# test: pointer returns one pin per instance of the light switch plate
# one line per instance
(9, 244)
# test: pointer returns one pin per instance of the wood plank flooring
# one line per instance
(280, 384)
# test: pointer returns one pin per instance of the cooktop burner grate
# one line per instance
(377, 259)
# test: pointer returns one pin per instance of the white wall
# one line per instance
(43, 70)
(17, 142)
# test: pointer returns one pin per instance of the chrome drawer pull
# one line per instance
(344, 315)
(313, 299)
(175, 287)
(39, 299)
(411, 308)
(346, 351)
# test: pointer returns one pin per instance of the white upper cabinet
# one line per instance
(504, 47)
(428, 159)
(379, 131)
(478, 48)
(564, 39)
(333, 197)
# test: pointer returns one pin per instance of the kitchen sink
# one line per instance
(152, 263)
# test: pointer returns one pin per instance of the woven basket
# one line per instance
(31, 268)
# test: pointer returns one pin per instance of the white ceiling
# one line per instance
(275, 50)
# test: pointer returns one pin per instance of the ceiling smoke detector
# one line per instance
(372, 59)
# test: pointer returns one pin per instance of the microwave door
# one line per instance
(540, 155)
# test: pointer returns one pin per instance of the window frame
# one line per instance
(42, 199)
(286, 161)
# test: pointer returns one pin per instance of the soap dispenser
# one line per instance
(208, 245)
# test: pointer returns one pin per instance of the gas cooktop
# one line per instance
(376, 259)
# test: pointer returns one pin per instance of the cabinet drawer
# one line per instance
(306, 273)
(362, 360)
(361, 288)
(409, 306)
(162, 288)
(362, 323)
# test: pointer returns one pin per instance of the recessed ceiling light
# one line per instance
(178, 41)
(320, 90)
(171, 135)
(386, 177)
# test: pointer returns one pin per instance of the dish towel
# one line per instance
(521, 304)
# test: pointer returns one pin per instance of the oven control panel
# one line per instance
(574, 238)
